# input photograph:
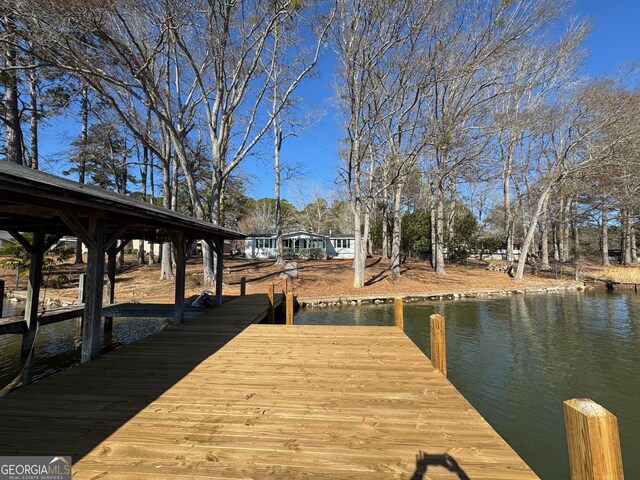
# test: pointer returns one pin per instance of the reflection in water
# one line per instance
(517, 358)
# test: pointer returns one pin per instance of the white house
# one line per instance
(4, 238)
(300, 244)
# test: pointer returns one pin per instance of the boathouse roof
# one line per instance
(34, 201)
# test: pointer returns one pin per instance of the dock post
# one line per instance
(289, 309)
(243, 286)
(593, 440)
(179, 244)
(1, 296)
(399, 313)
(285, 285)
(82, 286)
(272, 314)
(438, 344)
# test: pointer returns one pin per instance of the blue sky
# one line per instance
(613, 42)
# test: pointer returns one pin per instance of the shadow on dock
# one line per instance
(424, 461)
(73, 411)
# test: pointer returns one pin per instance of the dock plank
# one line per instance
(219, 397)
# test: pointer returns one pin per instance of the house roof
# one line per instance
(296, 234)
(32, 201)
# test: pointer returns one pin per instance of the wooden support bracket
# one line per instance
(76, 227)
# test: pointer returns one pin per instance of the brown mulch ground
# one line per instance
(316, 279)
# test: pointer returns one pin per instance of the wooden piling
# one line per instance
(243, 286)
(272, 315)
(438, 344)
(1, 296)
(593, 441)
(399, 313)
(289, 309)
(285, 285)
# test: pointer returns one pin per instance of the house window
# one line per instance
(343, 243)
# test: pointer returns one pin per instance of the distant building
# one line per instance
(4, 237)
(300, 244)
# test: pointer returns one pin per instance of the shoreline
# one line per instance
(342, 301)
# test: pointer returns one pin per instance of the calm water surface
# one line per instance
(517, 358)
(58, 345)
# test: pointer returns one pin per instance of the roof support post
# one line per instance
(95, 285)
(178, 241)
(36, 252)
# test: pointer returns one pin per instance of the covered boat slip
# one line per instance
(218, 397)
(50, 207)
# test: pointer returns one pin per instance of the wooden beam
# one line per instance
(272, 313)
(289, 309)
(76, 227)
(399, 313)
(1, 297)
(219, 269)
(178, 241)
(33, 297)
(285, 284)
(243, 286)
(95, 286)
(438, 344)
(111, 241)
(21, 240)
(593, 440)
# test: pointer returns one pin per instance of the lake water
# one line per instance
(58, 345)
(517, 358)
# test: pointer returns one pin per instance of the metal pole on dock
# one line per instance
(243, 286)
(272, 314)
(593, 440)
(438, 344)
(289, 309)
(399, 313)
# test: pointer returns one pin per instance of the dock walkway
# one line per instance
(216, 397)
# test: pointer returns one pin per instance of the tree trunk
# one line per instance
(556, 242)
(575, 230)
(359, 257)
(506, 197)
(439, 235)
(544, 237)
(397, 230)
(626, 237)
(604, 236)
(434, 215)
(277, 145)
(120, 259)
(166, 271)
(34, 107)
(385, 227)
(634, 247)
(82, 166)
(524, 250)
(566, 228)
(11, 114)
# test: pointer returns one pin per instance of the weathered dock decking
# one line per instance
(216, 397)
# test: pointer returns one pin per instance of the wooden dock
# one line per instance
(217, 397)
